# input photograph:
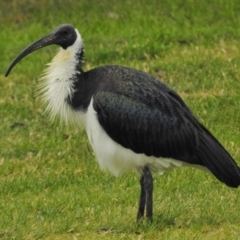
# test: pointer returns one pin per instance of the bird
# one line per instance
(133, 121)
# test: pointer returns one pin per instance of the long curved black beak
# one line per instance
(40, 43)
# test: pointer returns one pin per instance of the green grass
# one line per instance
(50, 184)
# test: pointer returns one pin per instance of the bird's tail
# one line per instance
(213, 156)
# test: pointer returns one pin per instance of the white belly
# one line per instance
(113, 157)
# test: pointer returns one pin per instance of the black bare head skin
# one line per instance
(64, 35)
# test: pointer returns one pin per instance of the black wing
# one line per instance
(144, 115)
(147, 117)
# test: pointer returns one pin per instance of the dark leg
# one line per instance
(146, 194)
(142, 199)
(148, 185)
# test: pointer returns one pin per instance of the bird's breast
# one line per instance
(56, 86)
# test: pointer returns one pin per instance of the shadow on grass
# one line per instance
(163, 221)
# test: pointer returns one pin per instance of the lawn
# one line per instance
(50, 184)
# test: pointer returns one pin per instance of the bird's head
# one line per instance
(64, 35)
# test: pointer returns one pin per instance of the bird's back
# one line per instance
(145, 116)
